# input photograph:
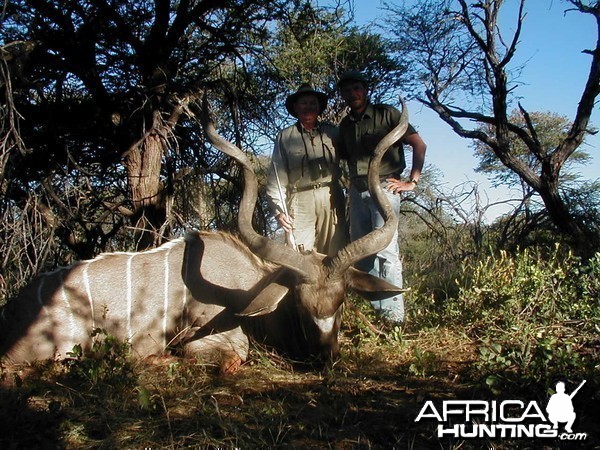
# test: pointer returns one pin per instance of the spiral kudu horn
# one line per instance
(378, 239)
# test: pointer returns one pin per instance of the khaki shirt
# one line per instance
(302, 158)
(359, 137)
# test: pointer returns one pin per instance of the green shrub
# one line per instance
(533, 315)
(107, 363)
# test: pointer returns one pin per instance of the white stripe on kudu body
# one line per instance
(68, 308)
(129, 296)
(166, 297)
(88, 292)
(183, 321)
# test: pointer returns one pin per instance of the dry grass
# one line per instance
(367, 399)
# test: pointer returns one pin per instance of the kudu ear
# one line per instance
(369, 286)
(268, 297)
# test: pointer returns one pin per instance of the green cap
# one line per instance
(352, 75)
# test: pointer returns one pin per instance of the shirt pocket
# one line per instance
(370, 141)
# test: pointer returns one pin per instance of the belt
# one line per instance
(311, 187)
(361, 183)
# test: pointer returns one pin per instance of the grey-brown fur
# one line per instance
(191, 277)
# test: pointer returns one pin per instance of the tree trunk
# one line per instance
(564, 220)
(144, 162)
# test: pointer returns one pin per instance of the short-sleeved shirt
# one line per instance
(359, 137)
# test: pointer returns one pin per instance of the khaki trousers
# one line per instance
(319, 219)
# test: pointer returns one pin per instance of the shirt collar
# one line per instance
(367, 113)
(301, 129)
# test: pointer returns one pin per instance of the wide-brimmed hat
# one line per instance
(352, 75)
(305, 89)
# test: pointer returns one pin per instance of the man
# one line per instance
(360, 132)
(303, 189)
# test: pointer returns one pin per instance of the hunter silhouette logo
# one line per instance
(510, 419)
(560, 407)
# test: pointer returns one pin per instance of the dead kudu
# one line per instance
(204, 294)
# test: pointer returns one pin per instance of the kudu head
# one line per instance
(319, 282)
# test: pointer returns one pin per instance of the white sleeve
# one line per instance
(275, 198)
